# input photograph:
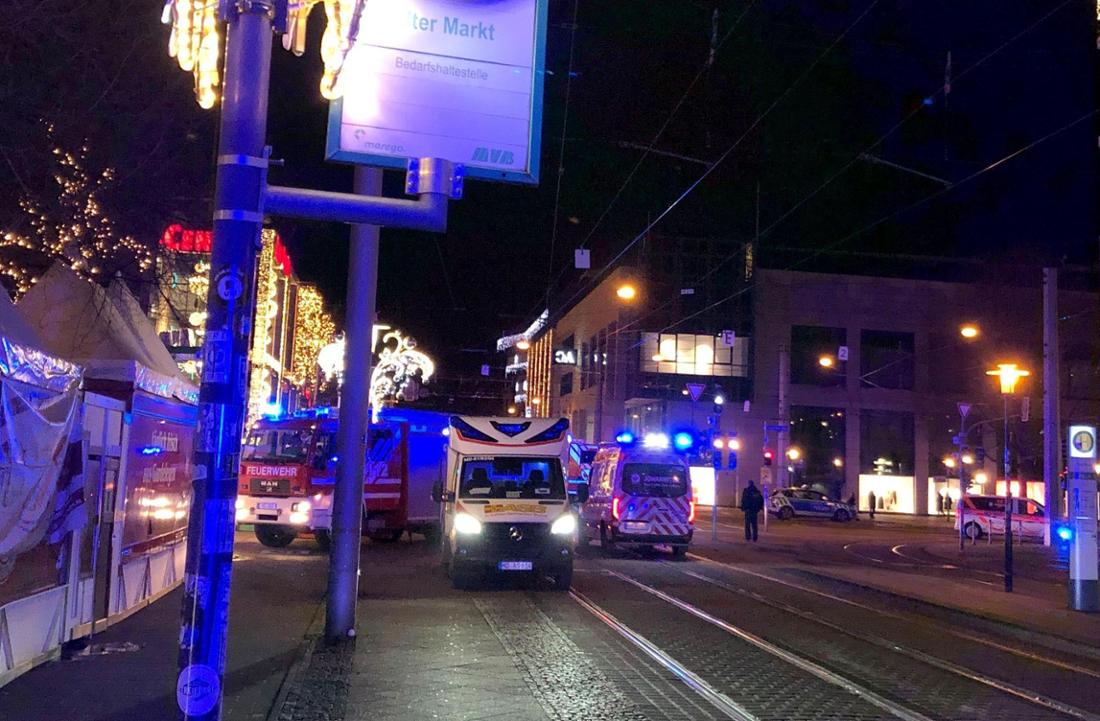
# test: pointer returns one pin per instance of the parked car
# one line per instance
(981, 515)
(786, 503)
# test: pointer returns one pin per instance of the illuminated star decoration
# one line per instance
(196, 41)
(400, 370)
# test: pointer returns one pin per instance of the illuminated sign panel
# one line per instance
(565, 356)
(454, 79)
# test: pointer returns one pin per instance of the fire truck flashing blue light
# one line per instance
(625, 438)
(272, 409)
(1065, 533)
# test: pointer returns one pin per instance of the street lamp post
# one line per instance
(1009, 375)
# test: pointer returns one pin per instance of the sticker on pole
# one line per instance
(461, 81)
(197, 690)
(1082, 442)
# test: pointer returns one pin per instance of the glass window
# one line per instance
(809, 346)
(566, 384)
(886, 359)
(886, 443)
(512, 477)
(663, 480)
(693, 354)
(278, 445)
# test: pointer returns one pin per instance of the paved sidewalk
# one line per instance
(276, 593)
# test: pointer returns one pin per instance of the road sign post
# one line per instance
(1084, 594)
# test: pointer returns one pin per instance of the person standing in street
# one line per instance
(871, 500)
(752, 502)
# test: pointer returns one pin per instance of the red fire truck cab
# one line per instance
(288, 473)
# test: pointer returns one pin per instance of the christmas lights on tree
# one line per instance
(313, 330)
(72, 227)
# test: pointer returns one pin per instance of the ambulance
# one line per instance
(504, 504)
(639, 493)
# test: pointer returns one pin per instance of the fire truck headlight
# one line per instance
(467, 525)
(298, 519)
(565, 525)
(301, 507)
(240, 503)
(242, 513)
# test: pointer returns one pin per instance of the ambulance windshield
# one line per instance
(662, 480)
(512, 477)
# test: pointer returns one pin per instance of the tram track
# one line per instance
(905, 699)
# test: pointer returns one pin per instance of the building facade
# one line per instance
(851, 384)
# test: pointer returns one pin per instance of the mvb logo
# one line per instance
(495, 156)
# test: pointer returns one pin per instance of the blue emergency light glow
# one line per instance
(682, 440)
(625, 438)
(1065, 533)
(272, 409)
(655, 440)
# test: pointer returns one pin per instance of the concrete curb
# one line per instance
(305, 653)
(1044, 638)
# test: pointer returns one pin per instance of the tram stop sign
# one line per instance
(461, 81)
(1084, 588)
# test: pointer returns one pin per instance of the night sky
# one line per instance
(1021, 71)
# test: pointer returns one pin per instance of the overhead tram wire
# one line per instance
(916, 111)
(912, 206)
(561, 154)
(649, 148)
(736, 143)
(767, 231)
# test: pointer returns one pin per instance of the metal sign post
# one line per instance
(1084, 594)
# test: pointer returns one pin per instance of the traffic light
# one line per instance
(768, 456)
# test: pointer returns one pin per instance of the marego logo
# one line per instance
(270, 471)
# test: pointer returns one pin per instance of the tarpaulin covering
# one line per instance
(34, 442)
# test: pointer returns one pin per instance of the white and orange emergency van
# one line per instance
(504, 504)
(639, 494)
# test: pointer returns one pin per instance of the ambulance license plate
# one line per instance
(515, 566)
(635, 526)
(268, 506)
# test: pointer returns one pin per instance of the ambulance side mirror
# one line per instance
(582, 493)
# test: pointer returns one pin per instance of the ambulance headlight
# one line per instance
(565, 525)
(467, 525)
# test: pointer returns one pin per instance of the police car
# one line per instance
(786, 503)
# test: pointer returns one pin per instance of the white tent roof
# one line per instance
(101, 328)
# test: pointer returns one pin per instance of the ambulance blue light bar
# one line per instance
(625, 438)
(552, 433)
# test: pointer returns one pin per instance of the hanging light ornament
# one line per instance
(196, 44)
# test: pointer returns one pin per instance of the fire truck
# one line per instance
(288, 474)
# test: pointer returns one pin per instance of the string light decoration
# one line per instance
(196, 42)
(72, 228)
(313, 330)
(399, 372)
(267, 307)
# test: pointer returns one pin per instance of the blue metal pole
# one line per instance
(238, 220)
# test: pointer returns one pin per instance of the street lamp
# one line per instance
(949, 462)
(626, 291)
(967, 458)
(793, 453)
(838, 462)
(511, 410)
(826, 361)
(969, 331)
(1009, 375)
(523, 345)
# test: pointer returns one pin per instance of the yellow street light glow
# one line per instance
(626, 292)
(719, 443)
(1009, 375)
(967, 458)
(511, 410)
(794, 454)
(523, 345)
(949, 462)
(826, 361)
(838, 462)
(735, 444)
(969, 330)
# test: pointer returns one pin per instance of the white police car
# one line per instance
(790, 502)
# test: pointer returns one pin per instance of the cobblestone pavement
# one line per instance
(519, 652)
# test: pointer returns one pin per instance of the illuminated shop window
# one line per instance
(691, 354)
